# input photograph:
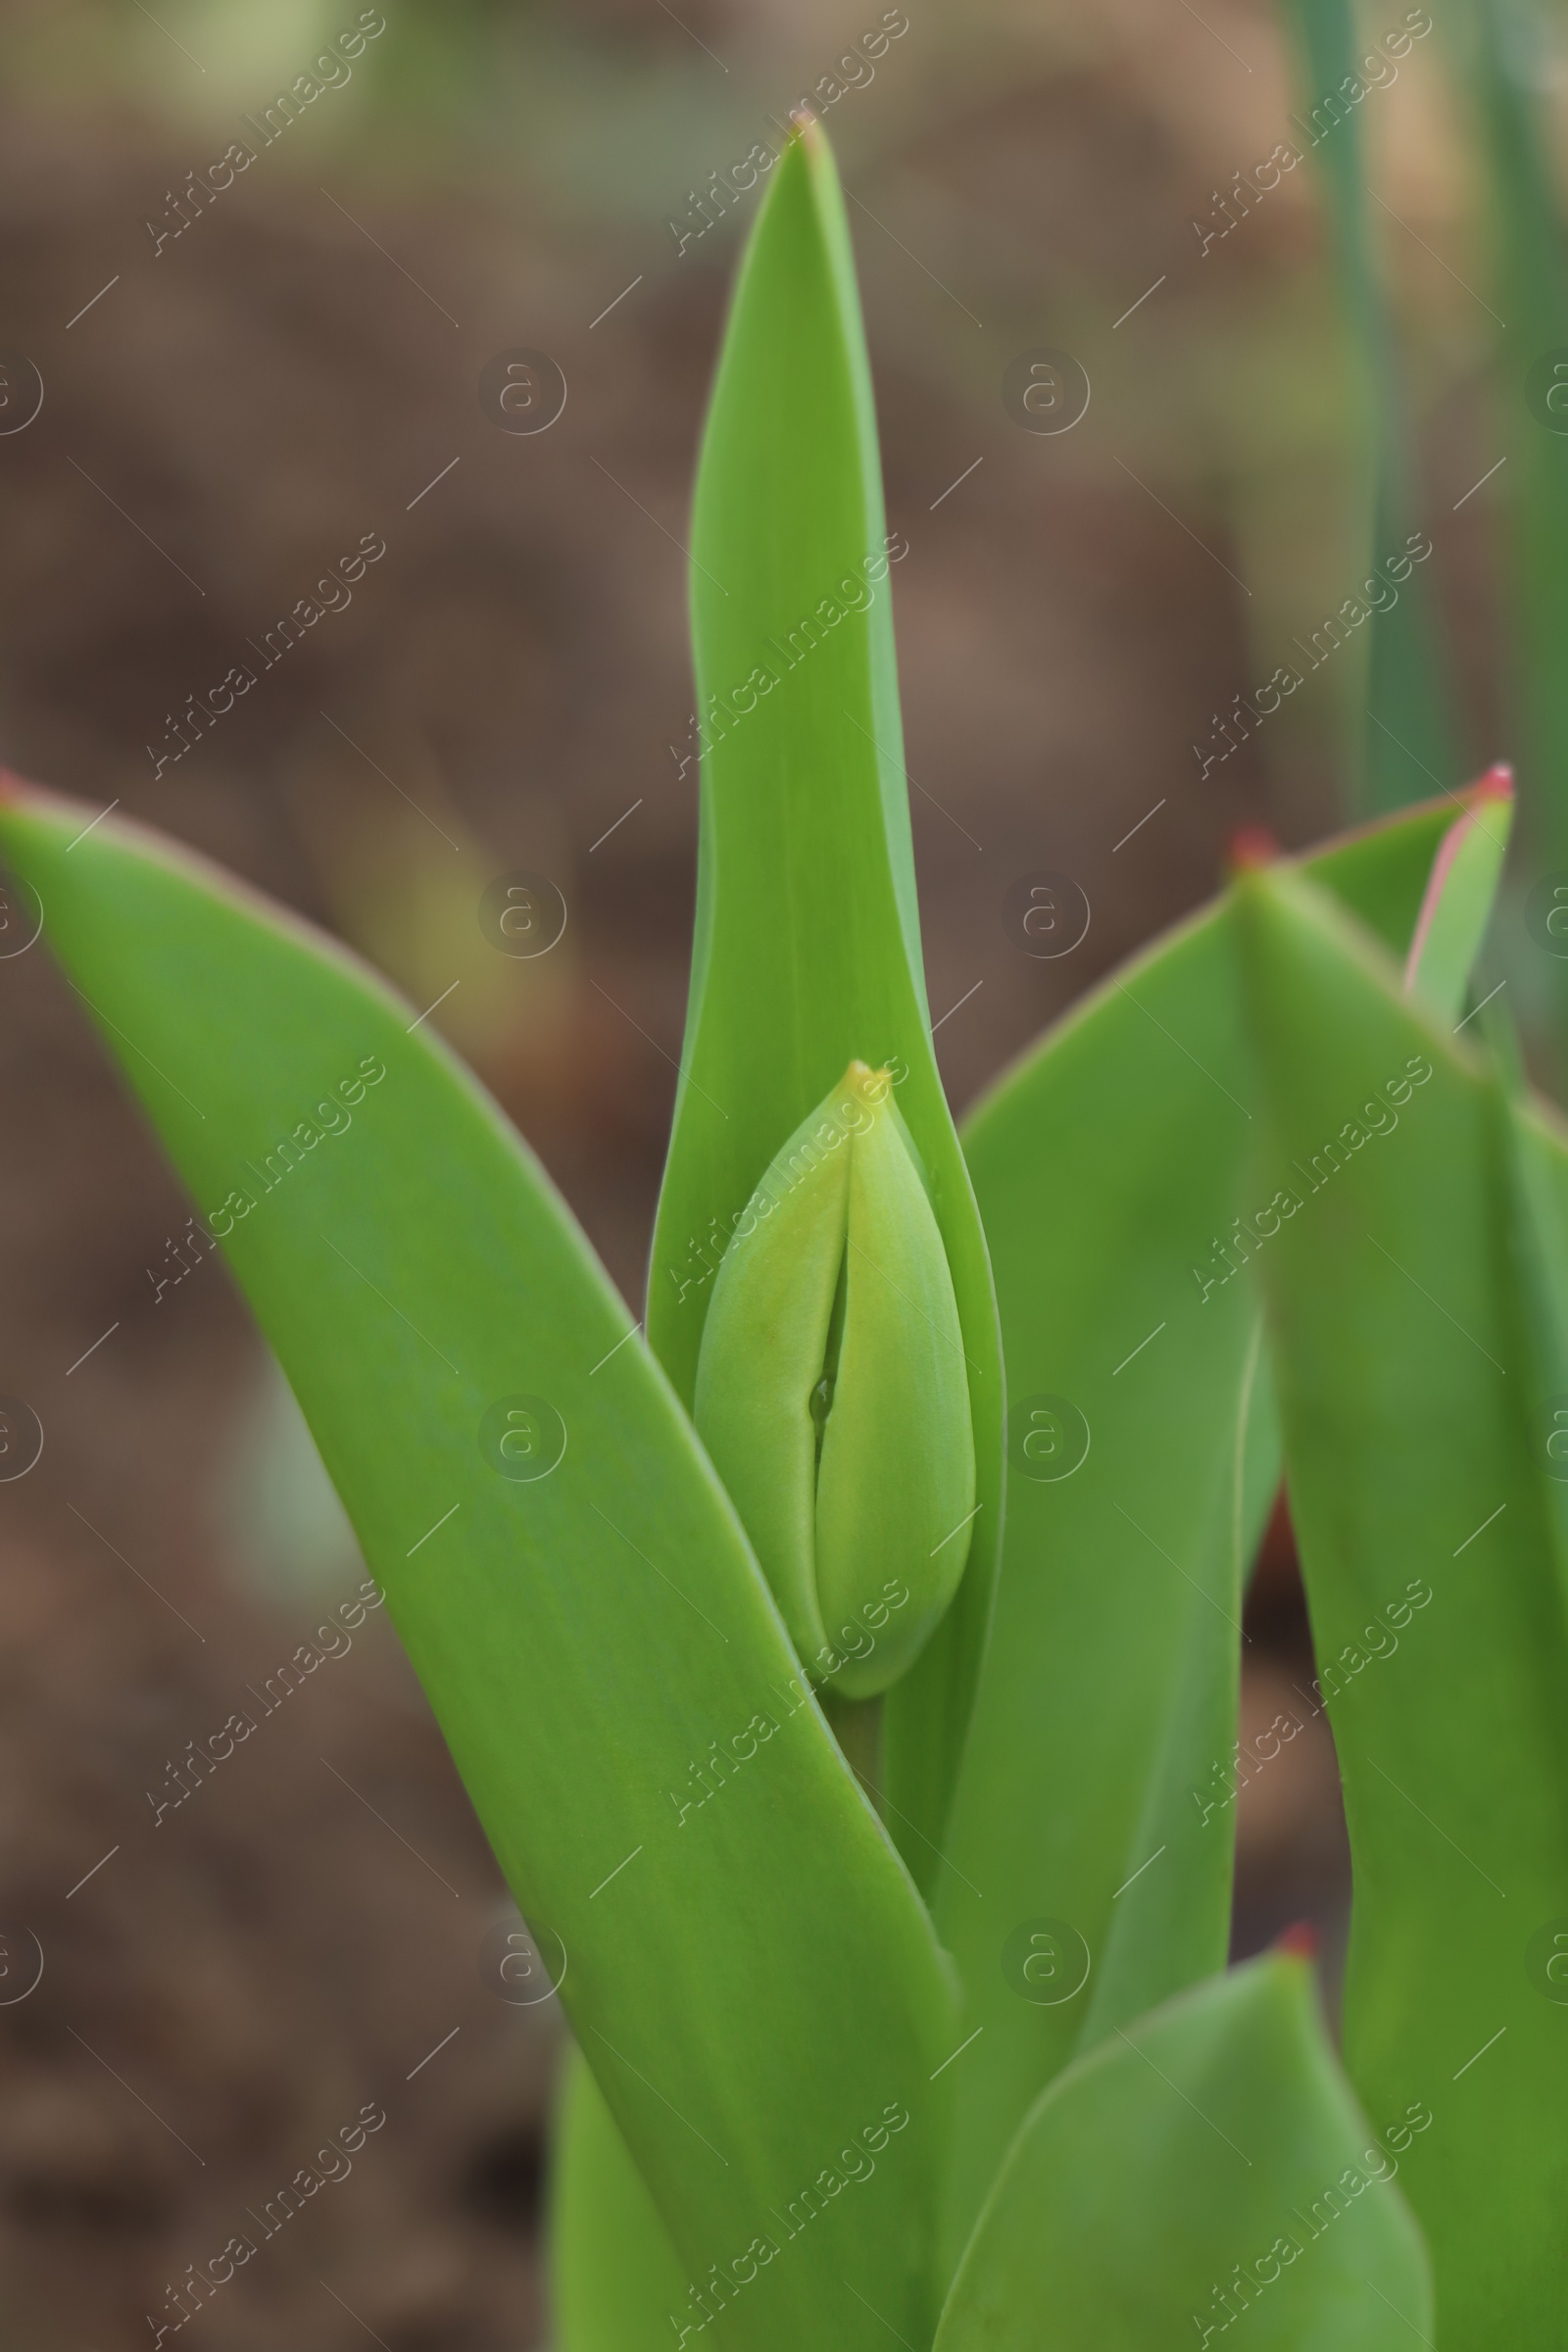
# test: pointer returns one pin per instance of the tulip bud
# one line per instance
(832, 1392)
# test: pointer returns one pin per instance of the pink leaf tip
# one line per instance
(1495, 785)
(1250, 848)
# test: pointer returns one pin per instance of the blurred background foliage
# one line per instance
(1282, 377)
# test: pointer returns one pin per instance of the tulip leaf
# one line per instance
(1410, 734)
(1459, 897)
(1538, 1176)
(1503, 63)
(566, 1572)
(1154, 1748)
(1207, 2166)
(1095, 1795)
(614, 2275)
(807, 952)
(1422, 1491)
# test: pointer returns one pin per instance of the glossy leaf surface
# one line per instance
(1205, 2170)
(566, 1572)
(614, 2277)
(1425, 1508)
(1097, 1793)
(807, 952)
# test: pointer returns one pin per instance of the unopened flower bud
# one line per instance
(831, 1392)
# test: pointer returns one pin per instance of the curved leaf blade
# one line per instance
(1098, 1785)
(1207, 2167)
(1436, 1607)
(614, 2277)
(807, 952)
(1460, 896)
(590, 1639)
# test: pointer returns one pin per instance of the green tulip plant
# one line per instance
(857, 1738)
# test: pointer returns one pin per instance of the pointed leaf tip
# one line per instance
(802, 960)
(1460, 893)
(1239, 2066)
(1301, 1940)
(1060, 1279)
(1250, 848)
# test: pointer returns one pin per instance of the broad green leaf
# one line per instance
(1409, 740)
(807, 951)
(1424, 1510)
(1460, 896)
(566, 1572)
(1207, 2168)
(615, 2277)
(1097, 1788)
